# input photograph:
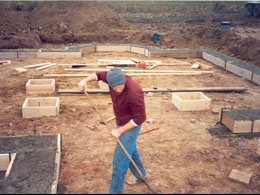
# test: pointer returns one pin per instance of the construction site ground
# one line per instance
(191, 152)
(181, 157)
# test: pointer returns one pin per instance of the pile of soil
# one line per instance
(76, 22)
(15, 31)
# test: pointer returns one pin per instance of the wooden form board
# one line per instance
(54, 187)
(239, 176)
(112, 48)
(191, 101)
(4, 162)
(241, 121)
(10, 165)
(39, 86)
(59, 54)
(38, 107)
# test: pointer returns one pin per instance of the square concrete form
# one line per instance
(191, 101)
(241, 121)
(258, 147)
(38, 107)
(36, 167)
(239, 176)
(40, 86)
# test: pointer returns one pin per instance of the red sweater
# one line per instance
(129, 104)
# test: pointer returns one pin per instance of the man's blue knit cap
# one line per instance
(115, 77)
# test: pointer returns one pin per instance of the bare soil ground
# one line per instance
(182, 156)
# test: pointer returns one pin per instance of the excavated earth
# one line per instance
(190, 153)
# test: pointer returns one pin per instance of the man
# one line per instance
(129, 109)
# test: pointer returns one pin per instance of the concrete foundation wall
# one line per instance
(59, 55)
(8, 55)
(27, 55)
(239, 71)
(215, 60)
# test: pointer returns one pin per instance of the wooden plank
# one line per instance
(145, 71)
(240, 177)
(54, 187)
(5, 62)
(37, 65)
(130, 74)
(10, 165)
(46, 66)
(203, 89)
(4, 162)
(20, 69)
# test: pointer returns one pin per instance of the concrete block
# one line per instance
(38, 107)
(258, 147)
(215, 60)
(103, 48)
(191, 101)
(59, 54)
(236, 126)
(256, 78)
(256, 126)
(239, 176)
(247, 74)
(27, 54)
(241, 121)
(8, 55)
(40, 86)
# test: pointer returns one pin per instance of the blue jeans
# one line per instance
(121, 161)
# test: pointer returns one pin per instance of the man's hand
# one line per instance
(116, 132)
(82, 84)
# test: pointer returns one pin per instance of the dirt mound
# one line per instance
(15, 32)
(58, 22)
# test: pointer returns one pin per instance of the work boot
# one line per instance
(133, 180)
